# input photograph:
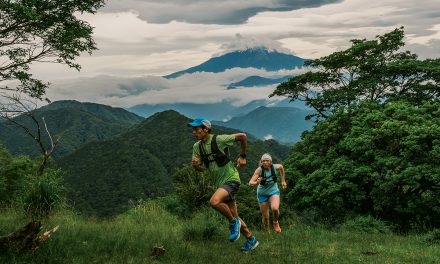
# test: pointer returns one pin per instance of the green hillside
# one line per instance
(106, 177)
(284, 124)
(75, 123)
(109, 113)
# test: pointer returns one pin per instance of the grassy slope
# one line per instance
(130, 238)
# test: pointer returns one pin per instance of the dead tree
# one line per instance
(14, 106)
(26, 238)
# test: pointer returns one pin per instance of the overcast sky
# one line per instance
(141, 40)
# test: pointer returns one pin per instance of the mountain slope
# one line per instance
(259, 58)
(284, 124)
(112, 114)
(255, 81)
(72, 122)
(105, 176)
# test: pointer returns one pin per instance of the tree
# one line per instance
(369, 69)
(378, 159)
(41, 31)
(33, 31)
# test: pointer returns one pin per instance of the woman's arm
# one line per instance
(280, 167)
(255, 179)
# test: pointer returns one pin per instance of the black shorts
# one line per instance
(232, 188)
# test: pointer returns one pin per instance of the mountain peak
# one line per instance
(258, 57)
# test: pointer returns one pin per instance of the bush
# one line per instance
(173, 204)
(192, 187)
(365, 224)
(205, 225)
(433, 237)
(43, 194)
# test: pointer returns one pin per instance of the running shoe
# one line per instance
(234, 227)
(250, 244)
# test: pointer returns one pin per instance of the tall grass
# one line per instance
(130, 238)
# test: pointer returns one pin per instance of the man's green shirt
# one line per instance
(220, 175)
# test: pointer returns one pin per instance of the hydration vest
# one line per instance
(272, 172)
(219, 157)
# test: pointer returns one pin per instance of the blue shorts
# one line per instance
(265, 198)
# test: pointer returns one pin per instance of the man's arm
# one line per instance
(195, 162)
(241, 161)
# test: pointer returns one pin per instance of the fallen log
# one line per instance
(26, 238)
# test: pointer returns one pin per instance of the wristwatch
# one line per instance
(243, 155)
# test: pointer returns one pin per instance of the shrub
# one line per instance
(365, 224)
(204, 225)
(43, 194)
(192, 187)
(432, 237)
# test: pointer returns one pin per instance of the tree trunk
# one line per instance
(25, 238)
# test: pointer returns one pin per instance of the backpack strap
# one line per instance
(272, 172)
(220, 158)
(203, 155)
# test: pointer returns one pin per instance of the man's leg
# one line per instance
(217, 202)
(251, 241)
(244, 229)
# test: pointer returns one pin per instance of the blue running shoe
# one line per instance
(234, 227)
(250, 244)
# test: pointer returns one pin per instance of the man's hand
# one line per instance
(195, 162)
(241, 162)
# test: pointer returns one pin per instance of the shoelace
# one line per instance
(232, 226)
(249, 243)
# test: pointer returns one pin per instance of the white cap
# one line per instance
(266, 157)
(206, 123)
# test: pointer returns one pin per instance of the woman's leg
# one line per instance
(264, 208)
(274, 201)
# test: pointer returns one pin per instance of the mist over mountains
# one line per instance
(288, 125)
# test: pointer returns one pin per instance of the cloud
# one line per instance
(130, 46)
(200, 87)
(135, 49)
(268, 136)
(225, 12)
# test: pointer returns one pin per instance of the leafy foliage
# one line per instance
(366, 224)
(192, 187)
(13, 173)
(369, 69)
(38, 196)
(377, 159)
(432, 237)
(43, 194)
(41, 31)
